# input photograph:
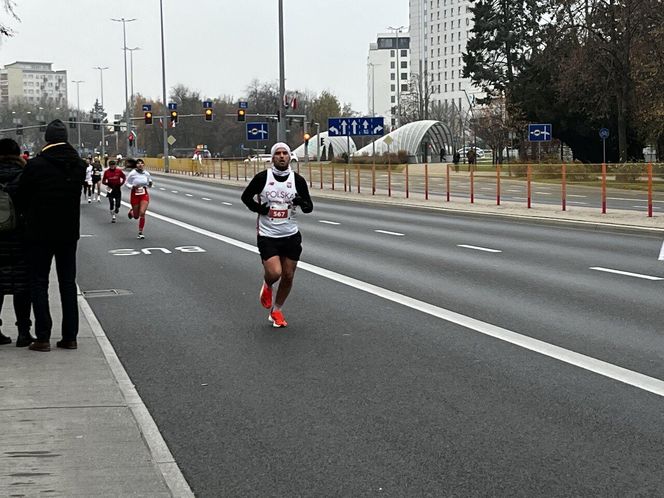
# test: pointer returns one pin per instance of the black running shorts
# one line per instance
(288, 247)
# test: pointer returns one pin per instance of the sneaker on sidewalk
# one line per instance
(89, 200)
(140, 235)
(266, 296)
(277, 319)
(113, 218)
(40, 346)
(98, 198)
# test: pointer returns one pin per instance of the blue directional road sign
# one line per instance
(147, 107)
(243, 104)
(172, 106)
(257, 131)
(539, 132)
(604, 133)
(343, 127)
(207, 104)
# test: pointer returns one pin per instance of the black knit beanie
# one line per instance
(56, 131)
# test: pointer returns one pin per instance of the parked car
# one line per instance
(260, 158)
(464, 151)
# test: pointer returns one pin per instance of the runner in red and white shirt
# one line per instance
(275, 194)
(139, 181)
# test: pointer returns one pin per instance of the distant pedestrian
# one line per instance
(472, 159)
(49, 196)
(14, 270)
(97, 172)
(442, 154)
(456, 158)
(87, 183)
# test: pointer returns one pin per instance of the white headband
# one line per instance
(280, 145)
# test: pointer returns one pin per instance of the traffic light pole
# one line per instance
(163, 85)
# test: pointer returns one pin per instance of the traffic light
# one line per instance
(208, 114)
(96, 122)
(174, 117)
(72, 122)
(306, 139)
(19, 129)
(148, 117)
(116, 126)
(241, 114)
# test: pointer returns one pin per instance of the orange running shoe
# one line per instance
(266, 296)
(277, 319)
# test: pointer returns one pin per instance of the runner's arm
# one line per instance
(302, 199)
(254, 189)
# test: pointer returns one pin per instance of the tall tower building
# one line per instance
(439, 31)
(34, 83)
(388, 75)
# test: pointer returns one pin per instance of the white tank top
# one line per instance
(280, 221)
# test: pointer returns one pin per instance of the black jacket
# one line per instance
(49, 194)
(14, 271)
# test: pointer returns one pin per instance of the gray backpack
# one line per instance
(7, 211)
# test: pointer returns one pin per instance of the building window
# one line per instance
(404, 88)
(445, 87)
(393, 76)
(392, 53)
(392, 65)
(404, 64)
(393, 88)
(393, 99)
(404, 53)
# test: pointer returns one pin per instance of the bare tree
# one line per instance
(8, 7)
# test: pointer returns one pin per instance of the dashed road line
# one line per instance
(575, 195)
(206, 198)
(329, 222)
(189, 195)
(387, 232)
(477, 248)
(226, 203)
(626, 273)
(175, 191)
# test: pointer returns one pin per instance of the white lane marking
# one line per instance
(661, 253)
(162, 188)
(206, 199)
(578, 203)
(514, 190)
(477, 248)
(174, 191)
(574, 195)
(638, 380)
(189, 195)
(625, 199)
(387, 232)
(329, 222)
(627, 273)
(544, 193)
(226, 203)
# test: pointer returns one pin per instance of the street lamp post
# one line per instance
(131, 96)
(78, 110)
(163, 87)
(281, 125)
(124, 48)
(396, 32)
(101, 117)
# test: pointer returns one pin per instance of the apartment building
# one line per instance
(33, 83)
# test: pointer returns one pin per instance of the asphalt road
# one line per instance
(427, 354)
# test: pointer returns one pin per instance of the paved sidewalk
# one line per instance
(72, 422)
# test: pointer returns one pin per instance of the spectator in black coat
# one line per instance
(49, 197)
(14, 271)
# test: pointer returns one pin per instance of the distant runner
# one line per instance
(114, 178)
(139, 181)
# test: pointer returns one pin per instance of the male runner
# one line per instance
(275, 194)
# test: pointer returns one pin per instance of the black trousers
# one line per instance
(114, 198)
(22, 310)
(40, 256)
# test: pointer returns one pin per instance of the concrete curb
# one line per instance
(159, 451)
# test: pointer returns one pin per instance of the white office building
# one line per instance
(388, 75)
(439, 31)
(33, 83)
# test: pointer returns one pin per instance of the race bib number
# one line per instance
(139, 191)
(278, 213)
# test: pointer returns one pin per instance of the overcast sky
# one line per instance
(215, 47)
